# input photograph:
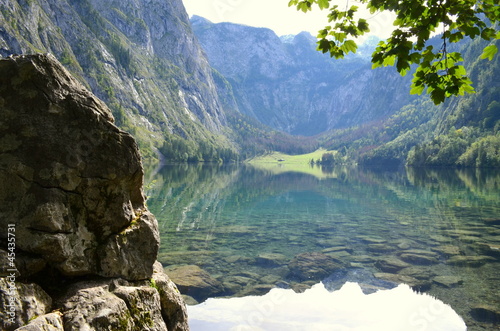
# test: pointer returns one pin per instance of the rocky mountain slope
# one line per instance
(286, 84)
(139, 56)
(79, 246)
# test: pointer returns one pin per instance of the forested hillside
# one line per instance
(201, 92)
(368, 115)
(288, 85)
(464, 131)
(140, 57)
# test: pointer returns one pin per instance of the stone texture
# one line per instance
(447, 281)
(20, 303)
(173, 308)
(486, 314)
(470, 261)
(116, 304)
(92, 306)
(194, 281)
(270, 259)
(312, 266)
(419, 257)
(74, 179)
(144, 306)
(391, 264)
(86, 244)
(47, 322)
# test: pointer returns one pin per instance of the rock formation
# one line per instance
(78, 244)
(140, 57)
(288, 85)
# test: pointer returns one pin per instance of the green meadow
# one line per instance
(277, 163)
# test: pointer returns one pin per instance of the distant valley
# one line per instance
(192, 90)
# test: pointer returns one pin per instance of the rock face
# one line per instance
(195, 282)
(72, 192)
(286, 84)
(140, 57)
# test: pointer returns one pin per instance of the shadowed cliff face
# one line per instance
(139, 56)
(287, 84)
(75, 178)
(72, 192)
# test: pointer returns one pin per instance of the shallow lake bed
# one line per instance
(251, 230)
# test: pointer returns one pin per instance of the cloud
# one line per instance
(317, 309)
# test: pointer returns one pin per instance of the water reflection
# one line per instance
(247, 230)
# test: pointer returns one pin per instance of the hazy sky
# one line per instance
(276, 15)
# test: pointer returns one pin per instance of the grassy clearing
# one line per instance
(279, 163)
(274, 157)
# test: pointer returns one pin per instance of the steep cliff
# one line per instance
(78, 244)
(139, 56)
(288, 85)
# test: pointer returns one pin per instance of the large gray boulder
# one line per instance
(72, 193)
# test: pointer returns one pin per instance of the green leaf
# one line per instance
(467, 87)
(488, 33)
(460, 71)
(489, 52)
(323, 4)
(438, 95)
(456, 37)
(417, 89)
(350, 46)
(324, 45)
(389, 61)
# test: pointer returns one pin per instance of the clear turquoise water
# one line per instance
(223, 218)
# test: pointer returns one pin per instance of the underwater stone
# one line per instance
(390, 264)
(447, 281)
(470, 261)
(313, 266)
(194, 281)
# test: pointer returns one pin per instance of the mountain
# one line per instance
(198, 91)
(463, 131)
(286, 84)
(368, 115)
(139, 56)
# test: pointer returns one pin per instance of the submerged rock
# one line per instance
(487, 314)
(470, 261)
(391, 264)
(312, 266)
(73, 195)
(419, 257)
(492, 221)
(195, 282)
(416, 284)
(488, 249)
(447, 250)
(270, 259)
(448, 281)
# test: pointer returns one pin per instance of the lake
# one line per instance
(245, 230)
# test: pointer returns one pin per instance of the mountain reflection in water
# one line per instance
(250, 230)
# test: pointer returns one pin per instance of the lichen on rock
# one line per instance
(72, 189)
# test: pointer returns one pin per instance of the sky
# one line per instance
(276, 15)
